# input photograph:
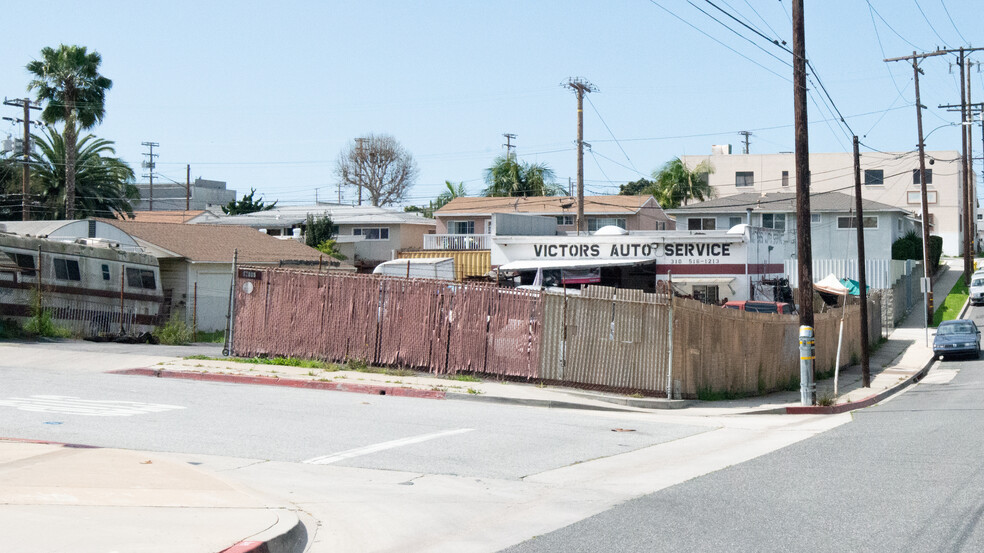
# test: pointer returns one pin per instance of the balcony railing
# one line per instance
(456, 241)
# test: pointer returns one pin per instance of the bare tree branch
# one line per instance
(381, 166)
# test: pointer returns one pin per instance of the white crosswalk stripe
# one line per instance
(70, 405)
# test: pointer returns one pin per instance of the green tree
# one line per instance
(68, 80)
(247, 205)
(103, 183)
(318, 229)
(636, 187)
(676, 184)
(509, 177)
(452, 192)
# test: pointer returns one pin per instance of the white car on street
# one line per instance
(977, 289)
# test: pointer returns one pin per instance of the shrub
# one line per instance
(174, 333)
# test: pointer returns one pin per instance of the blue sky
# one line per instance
(266, 95)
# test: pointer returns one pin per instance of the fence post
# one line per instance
(40, 266)
(122, 281)
(194, 314)
(669, 364)
(230, 323)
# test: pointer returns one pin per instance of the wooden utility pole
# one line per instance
(862, 273)
(188, 189)
(150, 165)
(26, 162)
(509, 145)
(804, 244)
(971, 189)
(968, 262)
(914, 58)
(746, 134)
(580, 87)
(359, 141)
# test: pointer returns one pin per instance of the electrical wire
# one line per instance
(965, 41)
(658, 5)
(928, 22)
(590, 103)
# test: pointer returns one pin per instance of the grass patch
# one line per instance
(10, 330)
(213, 337)
(706, 394)
(173, 333)
(350, 365)
(41, 325)
(465, 378)
(826, 400)
(951, 306)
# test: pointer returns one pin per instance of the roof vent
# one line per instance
(721, 149)
(611, 230)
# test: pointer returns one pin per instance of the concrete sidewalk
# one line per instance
(64, 498)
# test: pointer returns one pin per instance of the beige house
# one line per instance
(887, 178)
(365, 234)
(196, 263)
(473, 216)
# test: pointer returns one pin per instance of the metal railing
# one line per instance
(457, 241)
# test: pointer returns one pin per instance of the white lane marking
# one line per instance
(359, 451)
(70, 405)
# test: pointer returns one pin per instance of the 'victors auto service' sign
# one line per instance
(673, 253)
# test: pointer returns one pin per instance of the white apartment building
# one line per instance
(888, 178)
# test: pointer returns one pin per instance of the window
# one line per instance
(140, 278)
(706, 223)
(815, 218)
(67, 269)
(105, 271)
(383, 233)
(733, 221)
(852, 222)
(461, 227)
(595, 223)
(704, 293)
(565, 220)
(980, 216)
(915, 197)
(899, 221)
(915, 176)
(774, 221)
(874, 177)
(744, 178)
(25, 262)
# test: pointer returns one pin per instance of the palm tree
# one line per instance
(68, 80)
(509, 177)
(451, 193)
(676, 184)
(104, 184)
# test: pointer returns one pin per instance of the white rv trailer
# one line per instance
(88, 285)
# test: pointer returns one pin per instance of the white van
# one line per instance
(977, 289)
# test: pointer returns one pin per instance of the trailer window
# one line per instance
(105, 270)
(24, 261)
(67, 269)
(140, 278)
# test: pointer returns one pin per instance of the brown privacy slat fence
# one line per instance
(604, 339)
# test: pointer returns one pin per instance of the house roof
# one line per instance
(781, 202)
(217, 243)
(545, 205)
(174, 216)
(340, 215)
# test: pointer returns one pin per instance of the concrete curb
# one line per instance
(860, 404)
(288, 535)
(288, 382)
(549, 403)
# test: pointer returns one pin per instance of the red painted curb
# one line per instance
(248, 547)
(289, 382)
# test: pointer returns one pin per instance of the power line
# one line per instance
(658, 5)
(942, 3)
(590, 103)
(928, 22)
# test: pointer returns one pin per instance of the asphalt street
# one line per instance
(62, 404)
(905, 475)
